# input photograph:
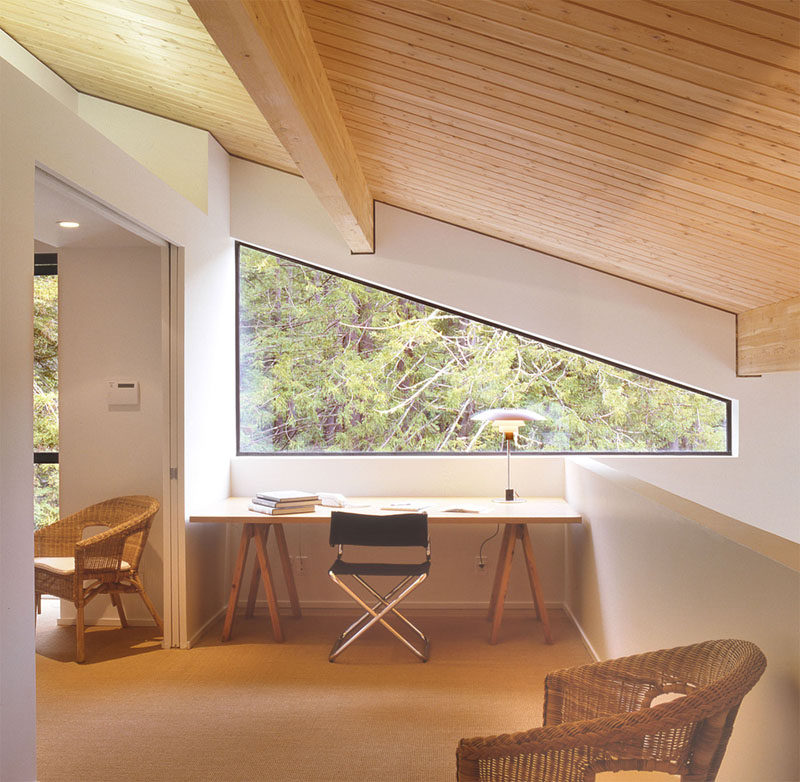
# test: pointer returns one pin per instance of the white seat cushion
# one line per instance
(63, 566)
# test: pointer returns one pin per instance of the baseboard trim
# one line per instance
(477, 605)
(585, 638)
(313, 607)
(108, 621)
(204, 628)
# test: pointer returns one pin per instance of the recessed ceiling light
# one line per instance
(69, 224)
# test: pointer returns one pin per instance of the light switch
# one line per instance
(122, 392)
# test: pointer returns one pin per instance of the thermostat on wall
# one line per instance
(122, 392)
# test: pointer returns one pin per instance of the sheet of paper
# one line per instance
(464, 509)
(408, 507)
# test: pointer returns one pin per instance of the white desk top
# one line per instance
(536, 510)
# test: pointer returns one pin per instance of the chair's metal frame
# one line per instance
(387, 605)
(367, 530)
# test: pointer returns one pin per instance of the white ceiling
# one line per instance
(53, 203)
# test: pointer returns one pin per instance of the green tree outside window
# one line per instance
(45, 395)
(327, 364)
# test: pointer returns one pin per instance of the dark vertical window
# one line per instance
(45, 388)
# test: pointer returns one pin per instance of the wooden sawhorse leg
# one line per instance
(288, 576)
(259, 534)
(503, 571)
(511, 534)
(236, 584)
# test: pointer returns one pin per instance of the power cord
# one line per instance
(481, 563)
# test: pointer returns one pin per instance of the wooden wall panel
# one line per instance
(768, 339)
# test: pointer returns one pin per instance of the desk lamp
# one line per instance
(508, 421)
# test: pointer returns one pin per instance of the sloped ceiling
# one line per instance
(656, 141)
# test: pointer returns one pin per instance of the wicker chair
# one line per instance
(598, 717)
(106, 563)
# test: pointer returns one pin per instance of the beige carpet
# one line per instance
(251, 709)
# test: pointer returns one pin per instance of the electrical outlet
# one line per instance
(481, 566)
(300, 564)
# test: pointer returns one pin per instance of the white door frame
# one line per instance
(174, 539)
(172, 503)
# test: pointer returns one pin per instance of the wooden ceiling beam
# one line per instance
(768, 338)
(269, 46)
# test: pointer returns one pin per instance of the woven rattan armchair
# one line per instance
(106, 563)
(598, 717)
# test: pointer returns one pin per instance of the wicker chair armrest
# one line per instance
(565, 744)
(120, 531)
(103, 551)
(598, 732)
(597, 690)
(530, 753)
(627, 683)
(59, 538)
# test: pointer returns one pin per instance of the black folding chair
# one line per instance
(361, 529)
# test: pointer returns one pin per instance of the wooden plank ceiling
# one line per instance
(657, 141)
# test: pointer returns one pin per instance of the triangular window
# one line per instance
(331, 365)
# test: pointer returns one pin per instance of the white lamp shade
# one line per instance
(510, 416)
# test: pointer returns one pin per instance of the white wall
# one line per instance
(17, 688)
(761, 486)
(37, 71)
(176, 153)
(110, 329)
(645, 576)
(569, 304)
(37, 128)
(209, 390)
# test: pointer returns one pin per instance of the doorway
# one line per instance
(114, 286)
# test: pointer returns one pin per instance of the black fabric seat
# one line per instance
(342, 568)
(383, 531)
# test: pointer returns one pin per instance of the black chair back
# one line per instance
(364, 529)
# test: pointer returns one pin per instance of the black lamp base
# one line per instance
(510, 496)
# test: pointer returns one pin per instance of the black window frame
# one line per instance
(518, 332)
(46, 264)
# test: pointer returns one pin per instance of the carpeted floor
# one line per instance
(251, 709)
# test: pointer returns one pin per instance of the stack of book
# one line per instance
(282, 502)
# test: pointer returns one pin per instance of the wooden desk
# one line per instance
(514, 517)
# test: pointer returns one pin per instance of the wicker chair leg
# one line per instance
(116, 599)
(80, 655)
(467, 769)
(149, 603)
